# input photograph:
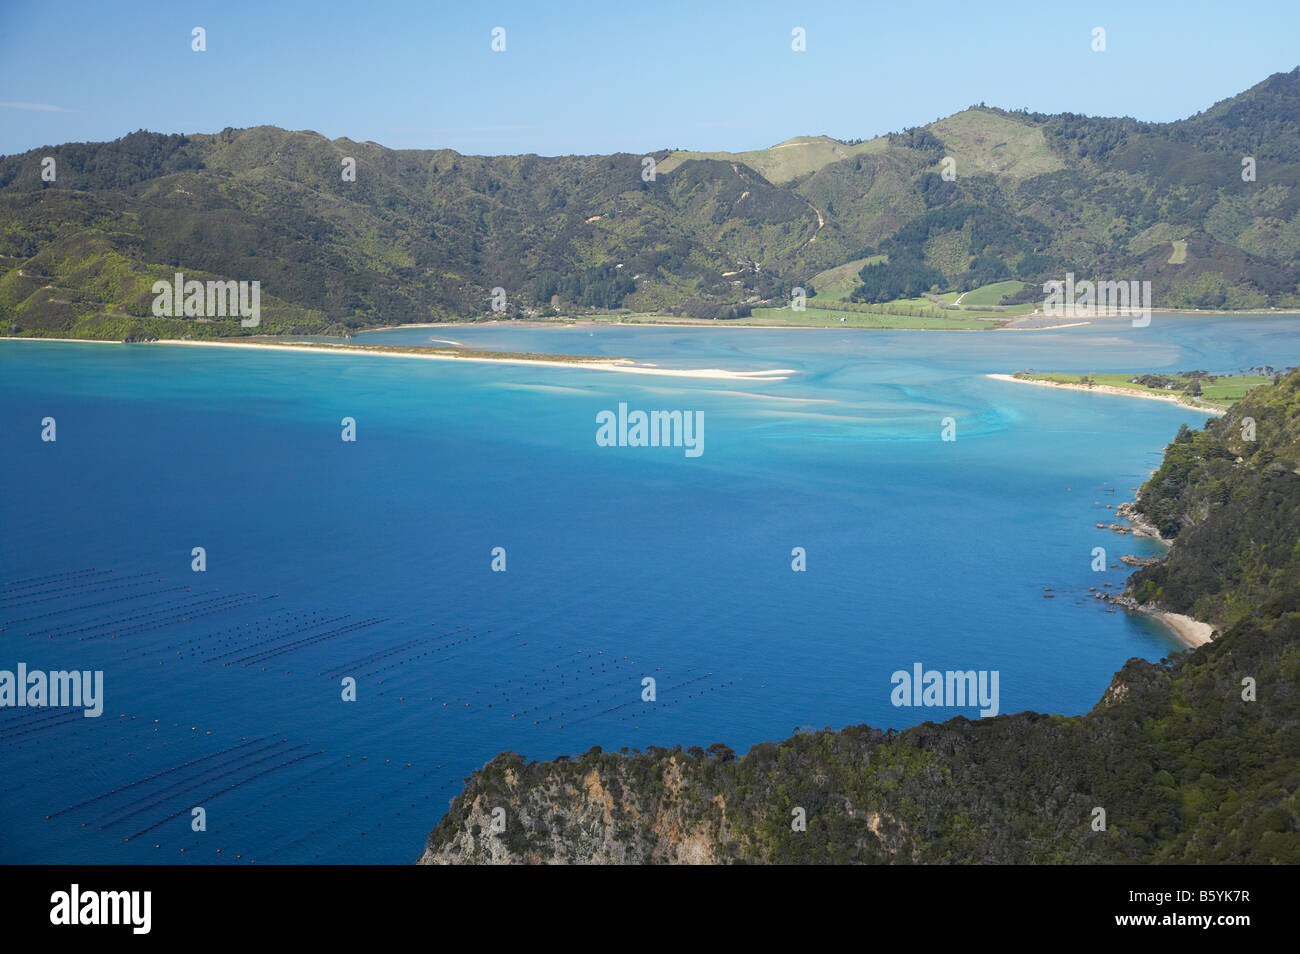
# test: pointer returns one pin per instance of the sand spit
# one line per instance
(1109, 389)
(622, 365)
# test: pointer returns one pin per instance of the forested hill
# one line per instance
(1230, 498)
(428, 234)
(1192, 760)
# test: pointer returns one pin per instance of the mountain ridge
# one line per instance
(988, 195)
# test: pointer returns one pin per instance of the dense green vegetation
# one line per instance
(595, 287)
(1187, 768)
(1229, 497)
(837, 284)
(903, 277)
(428, 234)
(1195, 388)
(984, 245)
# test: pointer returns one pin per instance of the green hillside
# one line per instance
(1229, 497)
(991, 294)
(837, 284)
(981, 141)
(427, 235)
(786, 161)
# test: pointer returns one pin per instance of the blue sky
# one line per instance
(586, 77)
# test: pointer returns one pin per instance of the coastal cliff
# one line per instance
(1226, 499)
(1192, 760)
(602, 808)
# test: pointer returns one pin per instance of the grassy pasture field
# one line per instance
(934, 320)
(830, 318)
(836, 284)
(786, 160)
(1222, 392)
(990, 294)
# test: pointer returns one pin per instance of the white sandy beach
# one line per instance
(1190, 631)
(622, 365)
(1109, 389)
(1012, 326)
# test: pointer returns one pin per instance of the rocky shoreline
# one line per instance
(1190, 632)
(1140, 526)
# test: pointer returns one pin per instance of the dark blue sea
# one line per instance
(372, 560)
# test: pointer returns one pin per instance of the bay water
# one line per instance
(327, 560)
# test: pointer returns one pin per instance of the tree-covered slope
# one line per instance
(1193, 760)
(1229, 496)
(418, 235)
(983, 196)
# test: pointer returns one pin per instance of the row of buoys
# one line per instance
(519, 687)
(42, 580)
(610, 685)
(156, 617)
(345, 762)
(257, 756)
(540, 686)
(356, 664)
(89, 606)
(38, 587)
(219, 604)
(277, 637)
(446, 643)
(89, 588)
(564, 669)
(49, 717)
(334, 824)
(95, 762)
(214, 795)
(241, 631)
(27, 714)
(143, 612)
(646, 706)
(451, 644)
(514, 692)
(232, 825)
(156, 775)
(309, 641)
(67, 750)
(70, 727)
(640, 714)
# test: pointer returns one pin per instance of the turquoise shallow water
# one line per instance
(372, 559)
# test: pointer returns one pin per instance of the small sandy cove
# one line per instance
(623, 365)
(1190, 631)
(1109, 389)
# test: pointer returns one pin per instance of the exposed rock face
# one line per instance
(1141, 526)
(661, 807)
(591, 812)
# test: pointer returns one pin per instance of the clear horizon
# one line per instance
(584, 80)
